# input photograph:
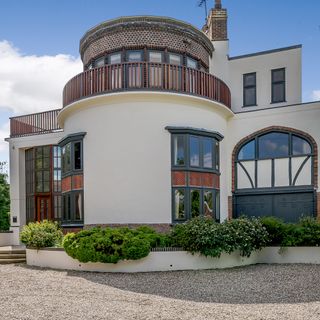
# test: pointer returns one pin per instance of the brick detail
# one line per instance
(145, 32)
(66, 230)
(216, 28)
(66, 184)
(179, 178)
(77, 182)
(159, 227)
(282, 129)
(195, 179)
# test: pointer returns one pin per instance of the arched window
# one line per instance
(274, 159)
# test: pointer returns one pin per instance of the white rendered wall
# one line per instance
(127, 152)
(304, 117)
(262, 64)
(219, 63)
(17, 147)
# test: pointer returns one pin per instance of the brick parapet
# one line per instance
(149, 32)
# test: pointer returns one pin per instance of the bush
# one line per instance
(276, 228)
(41, 234)
(4, 221)
(112, 245)
(209, 238)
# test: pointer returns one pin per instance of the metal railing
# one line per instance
(146, 76)
(35, 123)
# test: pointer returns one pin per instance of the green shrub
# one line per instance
(276, 228)
(41, 234)
(209, 238)
(112, 245)
(304, 233)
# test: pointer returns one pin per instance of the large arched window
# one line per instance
(274, 159)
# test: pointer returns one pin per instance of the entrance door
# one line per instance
(43, 208)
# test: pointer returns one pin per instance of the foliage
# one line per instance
(41, 234)
(209, 238)
(304, 233)
(4, 199)
(111, 245)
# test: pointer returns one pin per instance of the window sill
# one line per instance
(277, 102)
(250, 106)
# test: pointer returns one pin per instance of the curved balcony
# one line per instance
(146, 76)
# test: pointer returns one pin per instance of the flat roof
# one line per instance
(298, 46)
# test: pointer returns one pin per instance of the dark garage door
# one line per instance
(287, 206)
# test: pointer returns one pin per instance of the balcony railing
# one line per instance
(36, 123)
(146, 76)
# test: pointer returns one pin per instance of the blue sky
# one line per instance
(39, 41)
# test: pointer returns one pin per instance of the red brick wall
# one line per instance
(145, 32)
(66, 184)
(77, 182)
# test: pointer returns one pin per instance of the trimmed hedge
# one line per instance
(112, 245)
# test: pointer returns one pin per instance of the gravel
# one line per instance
(255, 292)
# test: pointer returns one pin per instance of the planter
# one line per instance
(5, 238)
(174, 260)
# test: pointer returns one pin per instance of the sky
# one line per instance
(39, 42)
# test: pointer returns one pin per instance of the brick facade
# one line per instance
(145, 32)
(216, 27)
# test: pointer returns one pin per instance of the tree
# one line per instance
(4, 198)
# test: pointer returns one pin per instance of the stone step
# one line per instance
(8, 261)
(12, 255)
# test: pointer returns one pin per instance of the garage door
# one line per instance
(289, 207)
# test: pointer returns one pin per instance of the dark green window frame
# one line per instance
(247, 86)
(69, 211)
(274, 83)
(71, 140)
(188, 203)
(202, 135)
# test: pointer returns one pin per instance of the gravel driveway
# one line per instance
(255, 292)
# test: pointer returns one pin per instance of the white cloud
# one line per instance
(33, 83)
(4, 133)
(316, 95)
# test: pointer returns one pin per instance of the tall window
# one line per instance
(195, 167)
(72, 179)
(249, 89)
(278, 85)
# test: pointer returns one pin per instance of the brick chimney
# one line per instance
(216, 26)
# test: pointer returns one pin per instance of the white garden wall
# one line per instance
(176, 260)
(6, 238)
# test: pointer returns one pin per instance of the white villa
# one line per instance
(163, 125)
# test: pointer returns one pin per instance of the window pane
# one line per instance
(175, 59)
(77, 155)
(208, 203)
(115, 58)
(217, 155)
(274, 145)
(207, 152)
(179, 207)
(247, 151)
(249, 79)
(155, 57)
(191, 63)
(67, 207)
(66, 155)
(46, 163)
(39, 181)
(250, 96)
(179, 157)
(195, 203)
(135, 56)
(78, 206)
(46, 152)
(99, 62)
(194, 152)
(278, 92)
(278, 75)
(300, 146)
